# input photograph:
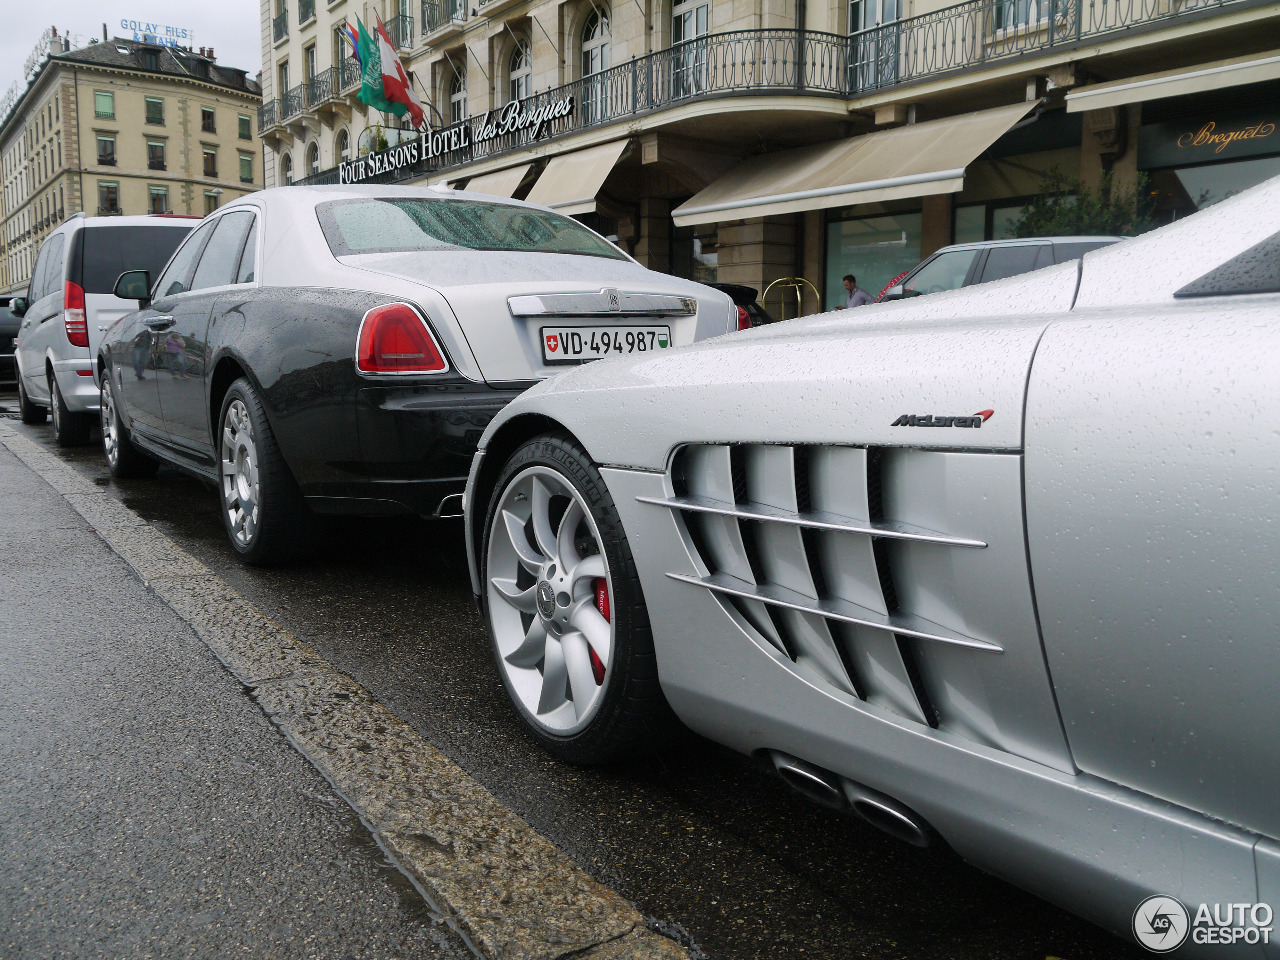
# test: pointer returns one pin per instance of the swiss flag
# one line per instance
(553, 343)
(395, 82)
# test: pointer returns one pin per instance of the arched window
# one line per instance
(286, 169)
(458, 94)
(595, 60)
(521, 71)
(343, 146)
(313, 159)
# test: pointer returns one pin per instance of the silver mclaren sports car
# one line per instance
(998, 568)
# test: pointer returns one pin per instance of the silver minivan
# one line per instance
(69, 306)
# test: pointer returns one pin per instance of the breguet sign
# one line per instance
(444, 145)
(1206, 139)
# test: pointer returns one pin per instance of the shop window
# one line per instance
(969, 223)
(695, 253)
(1180, 192)
(155, 111)
(873, 249)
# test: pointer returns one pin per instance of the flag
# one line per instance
(384, 83)
(349, 34)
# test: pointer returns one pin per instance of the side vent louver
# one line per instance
(793, 542)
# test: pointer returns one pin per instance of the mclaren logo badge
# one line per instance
(930, 420)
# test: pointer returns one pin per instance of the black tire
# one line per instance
(69, 428)
(279, 527)
(124, 460)
(633, 717)
(31, 413)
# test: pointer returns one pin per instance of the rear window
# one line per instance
(107, 252)
(411, 225)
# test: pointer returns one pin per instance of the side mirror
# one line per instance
(18, 306)
(134, 285)
(893, 293)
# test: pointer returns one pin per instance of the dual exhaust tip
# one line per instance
(831, 790)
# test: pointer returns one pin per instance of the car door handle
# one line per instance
(158, 323)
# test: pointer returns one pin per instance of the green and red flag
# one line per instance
(384, 83)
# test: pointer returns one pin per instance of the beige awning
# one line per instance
(1176, 83)
(917, 160)
(501, 184)
(571, 181)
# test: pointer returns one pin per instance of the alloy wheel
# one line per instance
(239, 467)
(549, 597)
(110, 431)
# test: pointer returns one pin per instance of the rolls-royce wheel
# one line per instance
(71, 429)
(30, 412)
(567, 621)
(124, 460)
(262, 508)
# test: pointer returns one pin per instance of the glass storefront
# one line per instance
(975, 222)
(1182, 191)
(873, 249)
(695, 252)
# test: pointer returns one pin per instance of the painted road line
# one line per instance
(501, 885)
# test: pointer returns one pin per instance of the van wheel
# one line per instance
(31, 412)
(71, 429)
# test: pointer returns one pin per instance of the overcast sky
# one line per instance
(229, 26)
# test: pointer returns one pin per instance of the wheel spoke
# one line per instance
(554, 675)
(577, 661)
(566, 552)
(541, 503)
(522, 600)
(515, 532)
(588, 568)
(531, 649)
(587, 619)
(228, 441)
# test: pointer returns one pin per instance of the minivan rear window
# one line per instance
(106, 252)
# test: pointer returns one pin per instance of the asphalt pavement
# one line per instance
(711, 847)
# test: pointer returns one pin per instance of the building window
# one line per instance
(150, 59)
(458, 95)
(343, 146)
(283, 72)
(104, 105)
(246, 168)
(108, 197)
(595, 60)
(107, 151)
(210, 201)
(689, 22)
(286, 169)
(159, 199)
(246, 128)
(521, 71)
(313, 160)
(208, 120)
(210, 163)
(155, 155)
(155, 111)
(873, 249)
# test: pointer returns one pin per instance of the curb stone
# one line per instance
(507, 890)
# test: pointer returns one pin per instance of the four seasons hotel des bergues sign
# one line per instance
(515, 120)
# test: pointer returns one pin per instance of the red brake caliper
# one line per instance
(602, 604)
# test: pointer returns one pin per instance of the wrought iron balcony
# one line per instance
(292, 102)
(280, 25)
(320, 87)
(268, 114)
(306, 11)
(438, 13)
(350, 74)
(400, 30)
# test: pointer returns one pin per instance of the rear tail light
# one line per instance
(744, 319)
(73, 315)
(395, 339)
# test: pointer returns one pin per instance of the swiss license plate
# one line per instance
(575, 344)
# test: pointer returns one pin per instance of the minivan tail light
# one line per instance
(395, 339)
(744, 319)
(73, 314)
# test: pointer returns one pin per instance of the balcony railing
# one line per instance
(280, 26)
(306, 10)
(437, 13)
(291, 103)
(400, 30)
(320, 87)
(268, 114)
(350, 74)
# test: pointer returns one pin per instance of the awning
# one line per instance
(1175, 83)
(500, 184)
(571, 181)
(917, 160)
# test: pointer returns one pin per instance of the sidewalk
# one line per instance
(148, 808)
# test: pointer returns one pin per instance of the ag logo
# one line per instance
(553, 343)
(1161, 924)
